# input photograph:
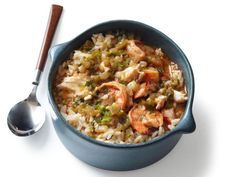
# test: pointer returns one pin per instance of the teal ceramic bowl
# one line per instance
(121, 156)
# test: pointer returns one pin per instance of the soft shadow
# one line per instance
(40, 138)
(190, 157)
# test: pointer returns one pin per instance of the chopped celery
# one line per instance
(105, 119)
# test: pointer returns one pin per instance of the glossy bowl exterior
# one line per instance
(121, 156)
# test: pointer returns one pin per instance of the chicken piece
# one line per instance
(108, 40)
(136, 115)
(159, 53)
(79, 56)
(169, 113)
(134, 51)
(108, 98)
(160, 101)
(73, 119)
(70, 83)
(74, 83)
(176, 74)
(98, 40)
(180, 97)
(119, 91)
(129, 74)
(151, 77)
(153, 119)
(88, 97)
(154, 56)
(179, 110)
(142, 91)
(103, 68)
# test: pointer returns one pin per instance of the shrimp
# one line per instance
(153, 119)
(135, 116)
(135, 51)
(142, 120)
(151, 75)
(119, 91)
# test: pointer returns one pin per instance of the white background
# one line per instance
(206, 32)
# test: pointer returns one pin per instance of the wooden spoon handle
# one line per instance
(54, 17)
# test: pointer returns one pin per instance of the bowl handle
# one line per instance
(188, 125)
(56, 50)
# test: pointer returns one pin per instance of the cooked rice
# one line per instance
(75, 97)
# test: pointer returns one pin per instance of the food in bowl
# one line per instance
(116, 89)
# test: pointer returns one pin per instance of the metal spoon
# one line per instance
(27, 116)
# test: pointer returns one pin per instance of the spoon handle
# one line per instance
(54, 17)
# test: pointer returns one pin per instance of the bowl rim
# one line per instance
(176, 130)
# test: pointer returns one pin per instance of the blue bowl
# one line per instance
(121, 157)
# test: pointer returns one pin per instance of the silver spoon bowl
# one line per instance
(27, 116)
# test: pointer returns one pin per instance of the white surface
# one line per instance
(206, 32)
